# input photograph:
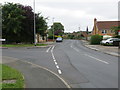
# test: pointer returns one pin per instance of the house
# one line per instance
(104, 27)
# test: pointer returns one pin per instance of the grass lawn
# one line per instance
(9, 73)
(21, 45)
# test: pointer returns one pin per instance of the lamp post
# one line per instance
(53, 29)
(34, 24)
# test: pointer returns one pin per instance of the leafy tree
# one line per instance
(58, 29)
(11, 22)
(116, 29)
(41, 25)
(18, 23)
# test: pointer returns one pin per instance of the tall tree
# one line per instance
(41, 25)
(27, 24)
(18, 23)
(58, 29)
(11, 22)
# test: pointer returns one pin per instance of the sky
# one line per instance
(75, 15)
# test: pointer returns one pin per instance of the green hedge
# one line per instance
(95, 39)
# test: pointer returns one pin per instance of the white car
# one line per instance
(59, 39)
(109, 41)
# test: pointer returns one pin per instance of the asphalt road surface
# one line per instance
(79, 66)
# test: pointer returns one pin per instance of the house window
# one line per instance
(104, 31)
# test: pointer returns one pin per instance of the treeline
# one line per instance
(18, 23)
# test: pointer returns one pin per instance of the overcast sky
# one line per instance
(74, 13)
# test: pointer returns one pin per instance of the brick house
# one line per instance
(104, 27)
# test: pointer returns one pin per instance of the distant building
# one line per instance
(104, 27)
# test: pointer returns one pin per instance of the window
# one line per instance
(104, 31)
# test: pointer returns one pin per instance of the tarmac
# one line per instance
(40, 77)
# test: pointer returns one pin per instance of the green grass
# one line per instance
(21, 45)
(9, 73)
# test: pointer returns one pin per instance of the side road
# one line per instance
(111, 50)
(35, 76)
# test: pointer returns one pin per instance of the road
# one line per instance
(79, 66)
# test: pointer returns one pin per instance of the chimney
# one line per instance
(95, 26)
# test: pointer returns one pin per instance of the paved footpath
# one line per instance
(35, 76)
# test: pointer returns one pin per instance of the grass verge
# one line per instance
(21, 45)
(9, 73)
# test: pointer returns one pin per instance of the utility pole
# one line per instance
(53, 29)
(34, 24)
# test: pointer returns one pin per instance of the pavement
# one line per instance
(111, 50)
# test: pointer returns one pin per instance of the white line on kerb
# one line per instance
(59, 71)
(97, 59)
(48, 49)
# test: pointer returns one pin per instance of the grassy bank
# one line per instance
(9, 74)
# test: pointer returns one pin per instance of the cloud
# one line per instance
(74, 13)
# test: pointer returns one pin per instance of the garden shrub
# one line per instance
(95, 39)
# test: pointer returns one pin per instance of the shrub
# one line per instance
(95, 39)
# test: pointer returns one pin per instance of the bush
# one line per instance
(95, 39)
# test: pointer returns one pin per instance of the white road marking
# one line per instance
(56, 63)
(96, 59)
(68, 86)
(54, 60)
(48, 49)
(53, 56)
(90, 56)
(59, 71)
(57, 66)
(52, 48)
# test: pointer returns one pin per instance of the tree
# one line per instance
(58, 29)
(41, 25)
(18, 23)
(116, 29)
(11, 22)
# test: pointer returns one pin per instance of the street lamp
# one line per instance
(34, 24)
(53, 29)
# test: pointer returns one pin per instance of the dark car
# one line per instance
(59, 39)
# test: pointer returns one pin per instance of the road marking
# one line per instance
(53, 56)
(59, 71)
(54, 60)
(48, 49)
(96, 59)
(57, 66)
(56, 63)
(68, 86)
(90, 56)
(52, 48)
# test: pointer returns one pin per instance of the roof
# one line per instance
(107, 24)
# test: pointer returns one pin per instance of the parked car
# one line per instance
(59, 39)
(109, 41)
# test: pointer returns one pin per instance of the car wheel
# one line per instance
(107, 42)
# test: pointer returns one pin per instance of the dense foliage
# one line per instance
(95, 39)
(116, 30)
(58, 29)
(18, 23)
